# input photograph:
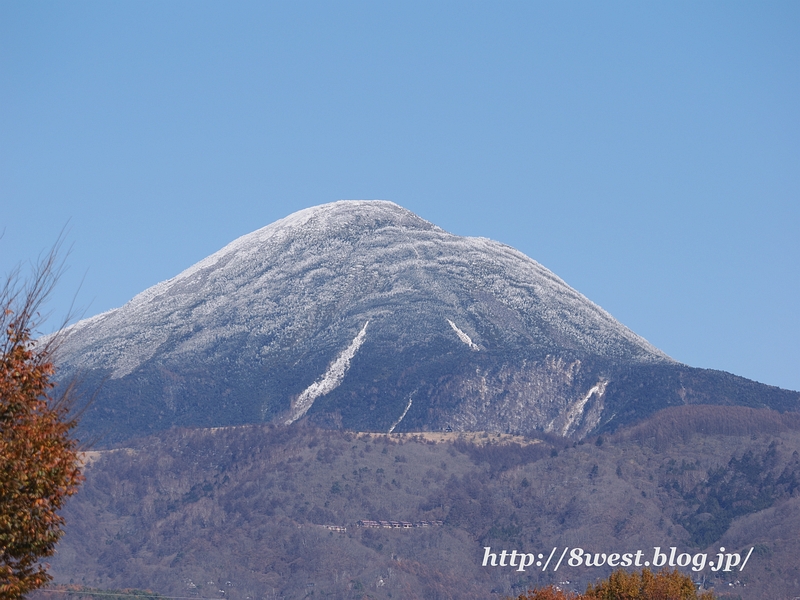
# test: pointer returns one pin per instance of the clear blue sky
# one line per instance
(647, 153)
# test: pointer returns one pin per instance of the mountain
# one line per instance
(361, 315)
(267, 511)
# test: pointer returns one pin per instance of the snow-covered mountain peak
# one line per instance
(276, 307)
(344, 219)
(347, 214)
(341, 219)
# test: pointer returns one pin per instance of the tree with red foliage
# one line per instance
(39, 461)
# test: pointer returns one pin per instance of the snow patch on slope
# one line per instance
(330, 380)
(577, 408)
(396, 423)
(463, 336)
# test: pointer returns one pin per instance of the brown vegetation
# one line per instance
(188, 511)
(621, 585)
(38, 457)
(684, 422)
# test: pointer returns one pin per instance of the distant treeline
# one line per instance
(683, 422)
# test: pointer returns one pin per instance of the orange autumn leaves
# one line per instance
(39, 466)
(620, 585)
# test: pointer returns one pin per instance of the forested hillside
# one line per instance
(256, 512)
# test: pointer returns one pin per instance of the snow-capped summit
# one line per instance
(352, 314)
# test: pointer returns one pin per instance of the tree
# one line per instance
(39, 462)
(621, 585)
(664, 585)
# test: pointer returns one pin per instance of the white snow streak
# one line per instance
(396, 423)
(463, 336)
(330, 380)
(577, 409)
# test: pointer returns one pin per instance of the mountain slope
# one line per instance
(258, 511)
(358, 314)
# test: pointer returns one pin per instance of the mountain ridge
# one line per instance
(462, 333)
